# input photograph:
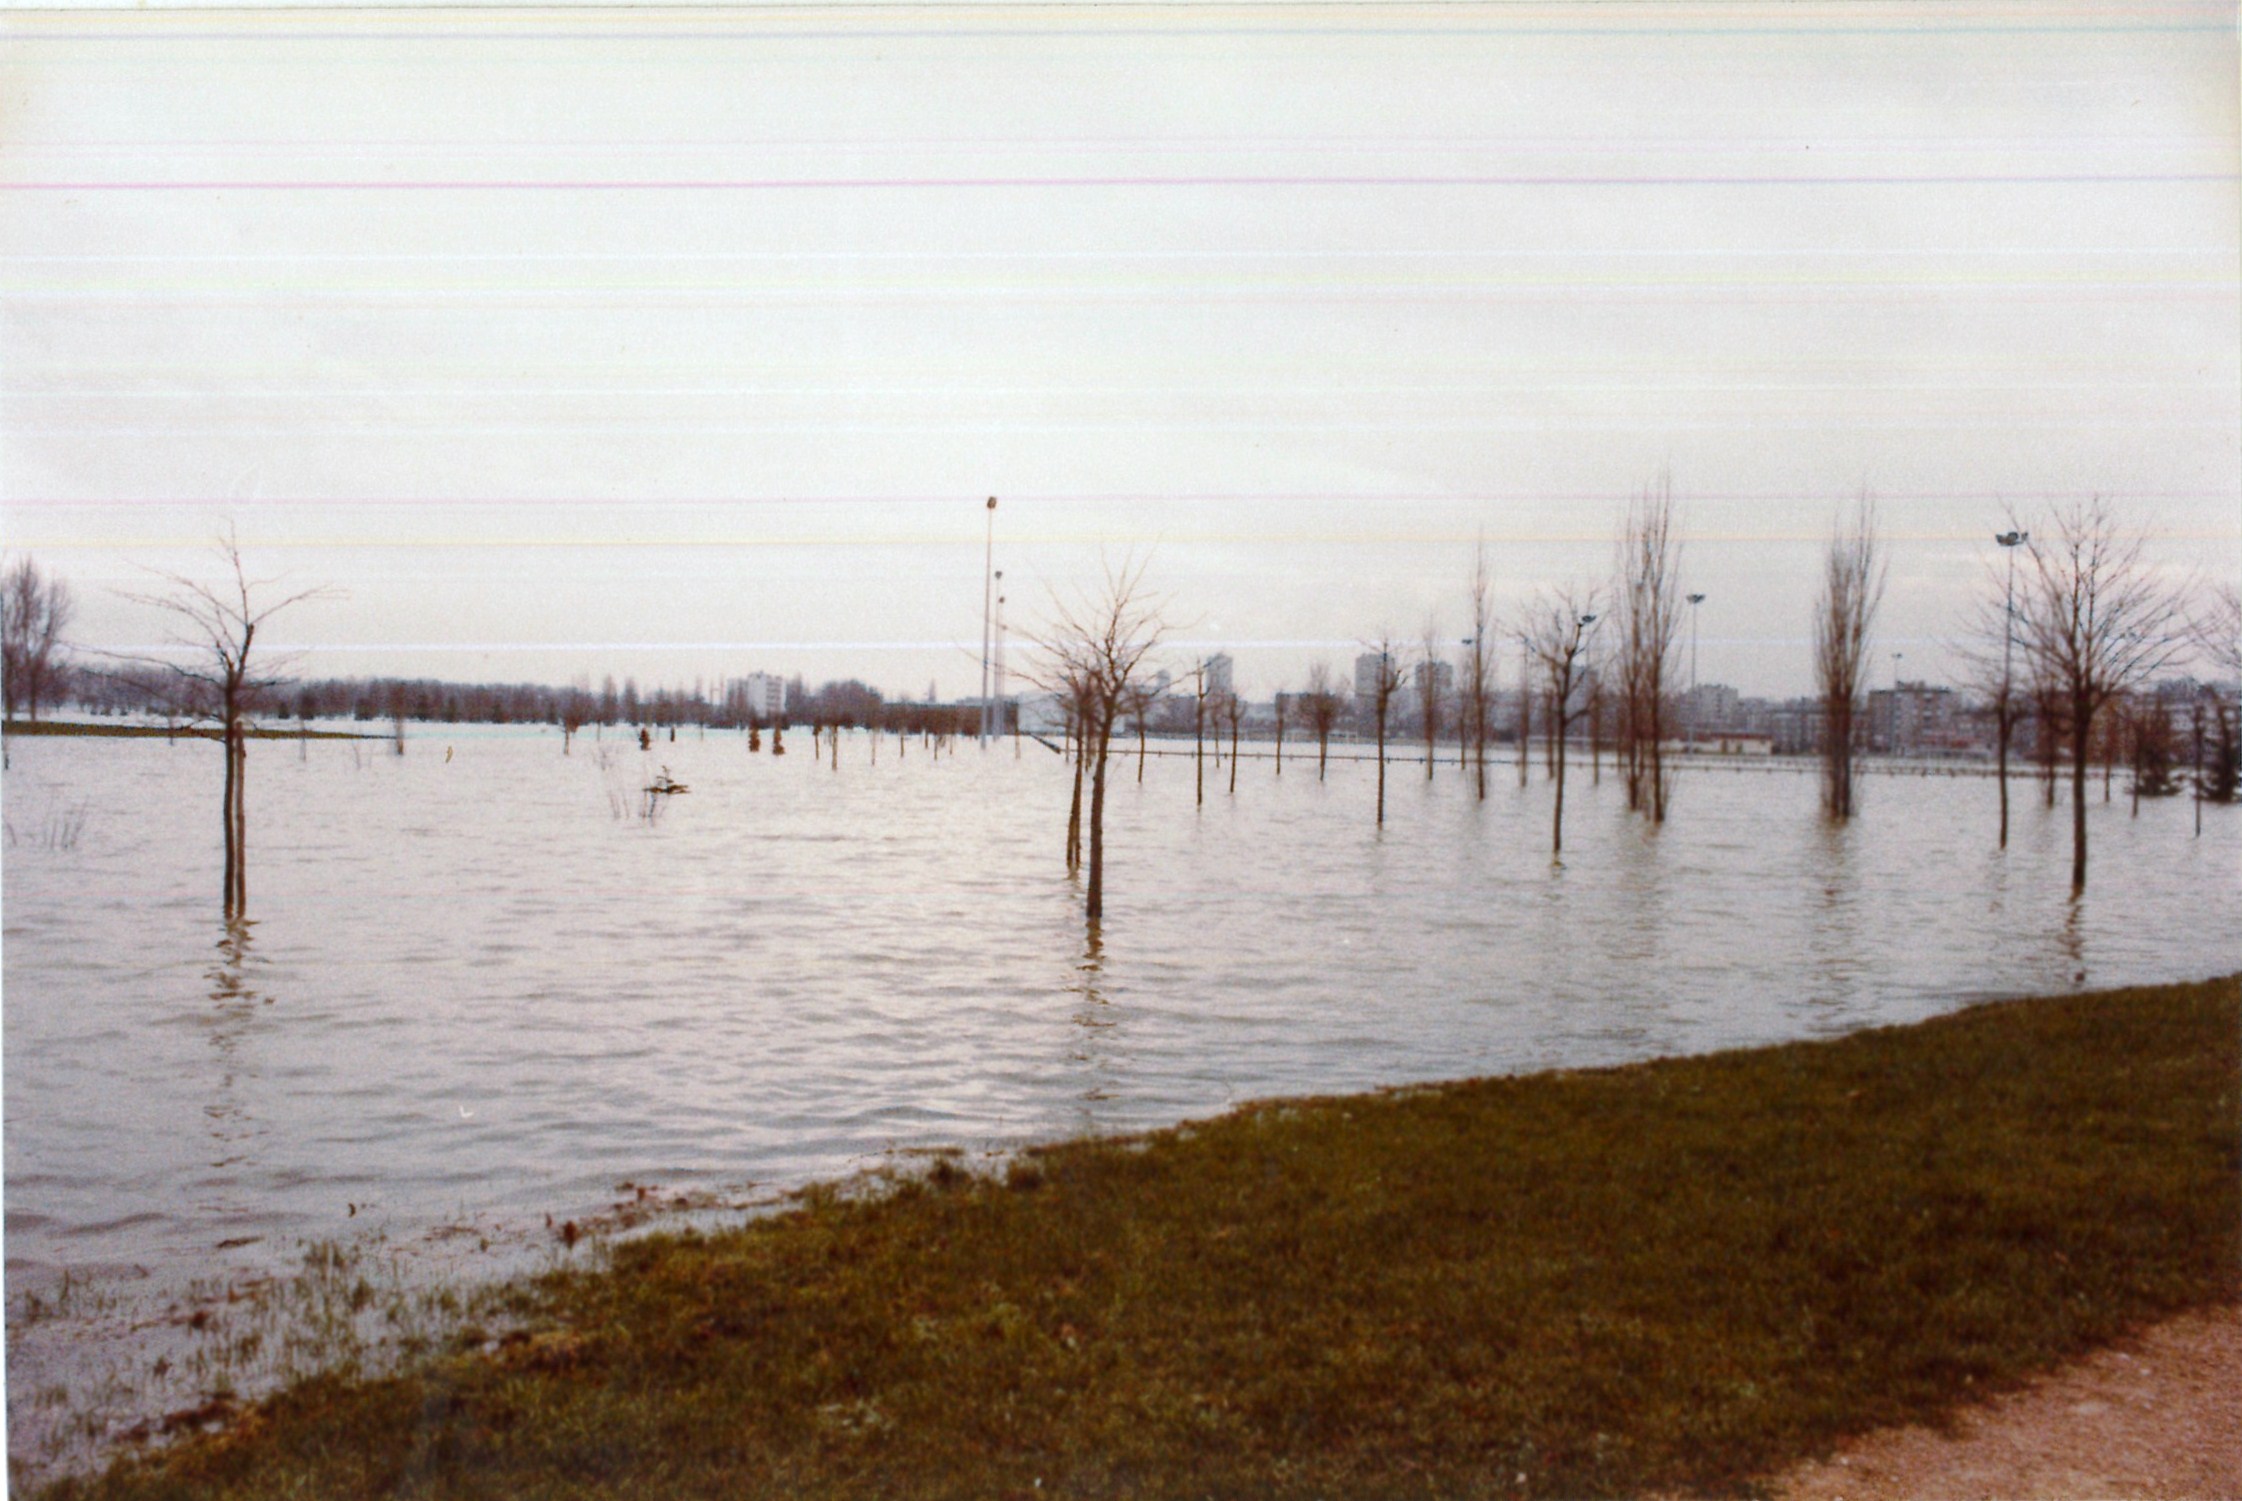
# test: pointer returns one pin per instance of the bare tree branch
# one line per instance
(2096, 620)
(1092, 652)
(1852, 587)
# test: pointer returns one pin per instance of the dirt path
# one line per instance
(2158, 1416)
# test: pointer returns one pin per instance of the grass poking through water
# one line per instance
(1672, 1277)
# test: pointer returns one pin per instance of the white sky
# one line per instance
(687, 342)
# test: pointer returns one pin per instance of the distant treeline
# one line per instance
(372, 700)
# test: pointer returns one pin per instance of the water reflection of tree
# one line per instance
(2071, 938)
(236, 1000)
(1088, 1048)
(1834, 931)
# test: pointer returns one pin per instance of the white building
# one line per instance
(765, 696)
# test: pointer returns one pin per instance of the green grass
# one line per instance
(1672, 1277)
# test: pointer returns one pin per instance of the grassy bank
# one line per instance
(1676, 1276)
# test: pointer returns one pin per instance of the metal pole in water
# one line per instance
(988, 597)
(996, 721)
(1694, 601)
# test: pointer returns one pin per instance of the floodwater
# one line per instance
(478, 987)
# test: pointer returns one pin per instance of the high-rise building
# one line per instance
(765, 695)
(1218, 674)
(1367, 668)
(1913, 718)
(1442, 675)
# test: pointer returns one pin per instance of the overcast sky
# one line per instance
(685, 342)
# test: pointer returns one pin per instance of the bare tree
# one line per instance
(1100, 644)
(1139, 708)
(2215, 620)
(2047, 732)
(217, 627)
(1321, 703)
(1558, 624)
(34, 612)
(1525, 704)
(1280, 708)
(1852, 586)
(574, 711)
(1074, 693)
(1650, 601)
(2096, 620)
(1479, 664)
(1233, 709)
(1385, 683)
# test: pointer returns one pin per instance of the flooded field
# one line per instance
(482, 994)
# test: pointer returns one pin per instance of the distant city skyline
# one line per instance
(690, 343)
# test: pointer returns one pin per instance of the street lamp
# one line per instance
(1694, 601)
(2010, 541)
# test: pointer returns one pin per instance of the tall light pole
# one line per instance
(2009, 541)
(1694, 601)
(988, 604)
(997, 658)
(1892, 748)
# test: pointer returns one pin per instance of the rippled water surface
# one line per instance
(478, 985)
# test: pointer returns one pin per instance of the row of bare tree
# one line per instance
(2084, 621)
(2091, 624)
(2081, 624)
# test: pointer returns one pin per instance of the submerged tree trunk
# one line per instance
(1525, 721)
(2082, 728)
(1429, 697)
(2003, 725)
(1074, 810)
(1660, 785)
(231, 809)
(1479, 746)
(1199, 750)
(1596, 739)
(1557, 824)
(1094, 905)
(1381, 766)
(241, 821)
